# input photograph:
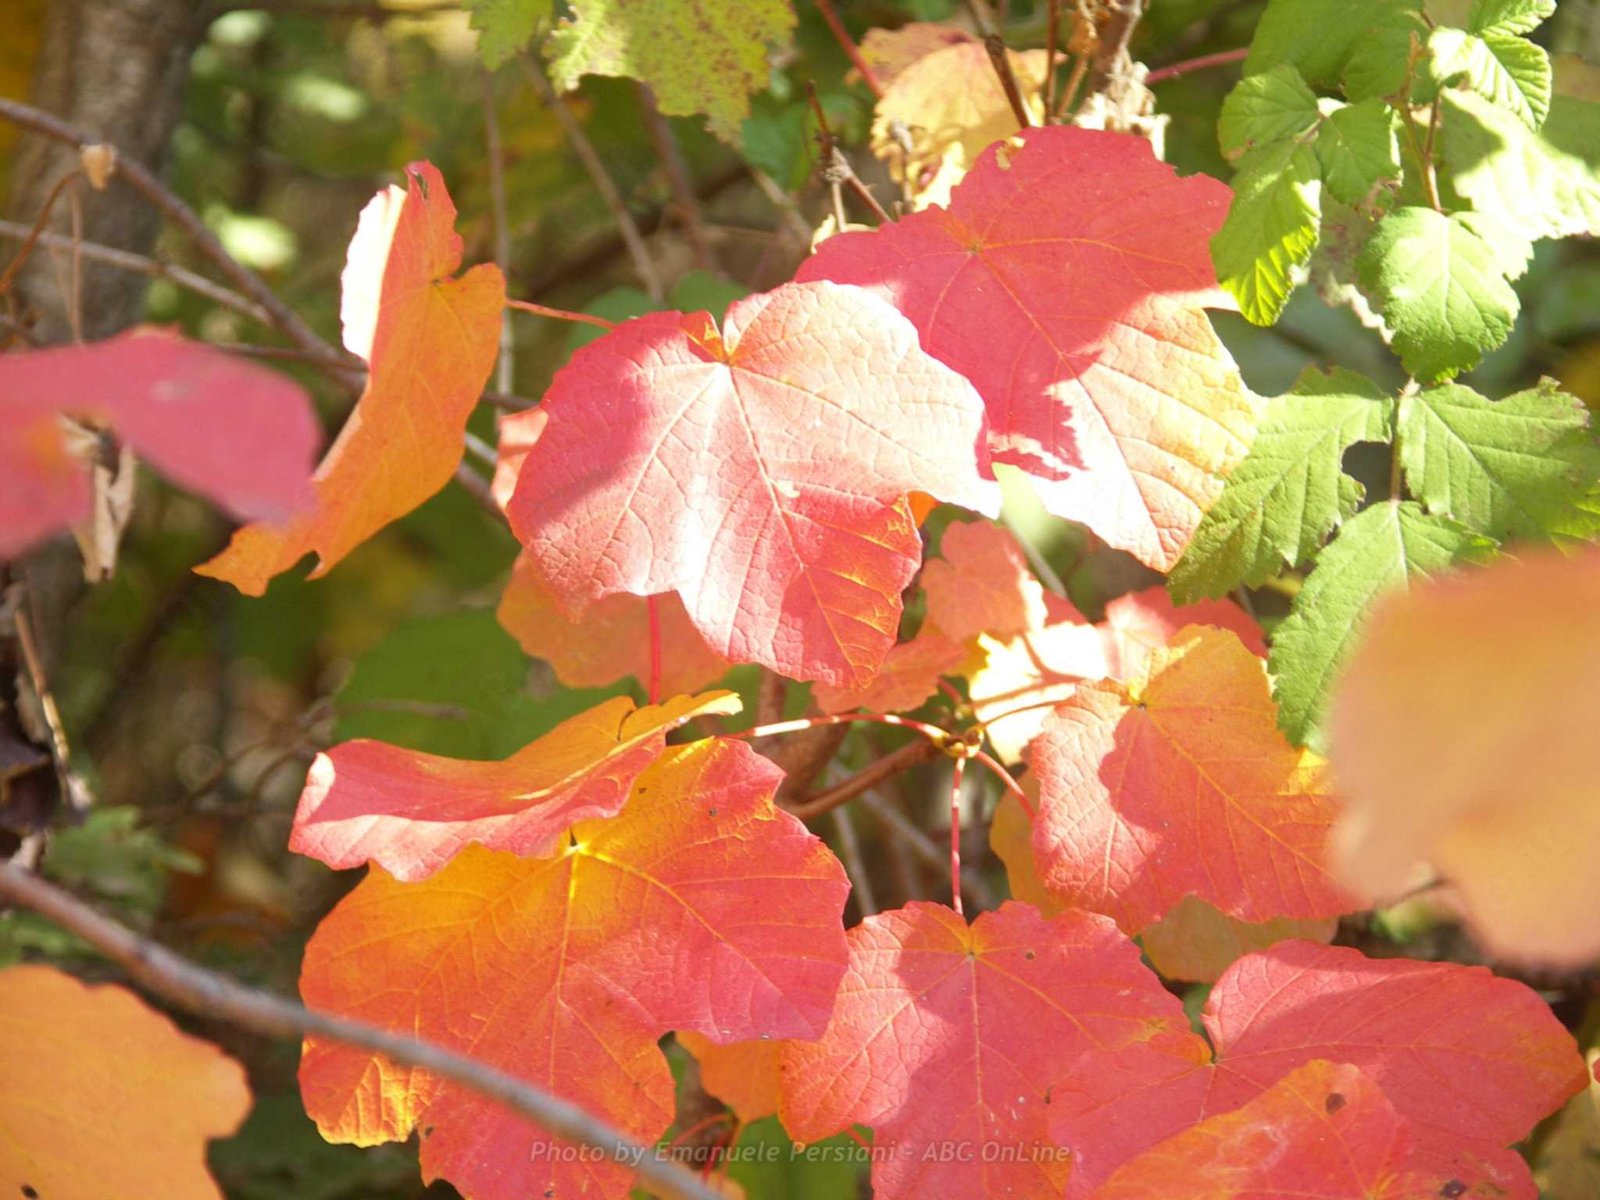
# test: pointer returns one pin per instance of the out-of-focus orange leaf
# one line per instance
(430, 341)
(980, 583)
(102, 1098)
(410, 813)
(909, 675)
(744, 1075)
(612, 640)
(890, 51)
(1197, 942)
(1464, 732)
(1011, 839)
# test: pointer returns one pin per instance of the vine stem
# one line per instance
(559, 314)
(848, 45)
(994, 45)
(1173, 70)
(957, 777)
(209, 994)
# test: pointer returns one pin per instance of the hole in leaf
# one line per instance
(32, 1193)
(1334, 1102)
(1453, 1189)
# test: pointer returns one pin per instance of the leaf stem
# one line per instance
(559, 314)
(1000, 60)
(870, 776)
(848, 45)
(1203, 62)
(210, 994)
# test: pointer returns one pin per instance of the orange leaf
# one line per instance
(910, 674)
(102, 1098)
(1182, 784)
(744, 1075)
(700, 907)
(612, 640)
(1464, 734)
(981, 583)
(432, 343)
(410, 813)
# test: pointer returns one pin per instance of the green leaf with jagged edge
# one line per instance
(699, 56)
(1443, 286)
(1365, 46)
(1263, 110)
(1271, 229)
(1512, 467)
(1492, 58)
(1379, 549)
(1291, 491)
(1545, 184)
(1358, 148)
(505, 27)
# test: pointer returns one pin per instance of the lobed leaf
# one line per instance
(1491, 58)
(1271, 230)
(1330, 42)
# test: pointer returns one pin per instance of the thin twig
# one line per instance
(926, 849)
(685, 204)
(911, 754)
(559, 314)
(1000, 60)
(503, 366)
(32, 234)
(837, 169)
(1219, 59)
(604, 184)
(855, 865)
(1052, 37)
(848, 45)
(210, 994)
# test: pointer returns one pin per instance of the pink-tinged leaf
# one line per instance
(910, 674)
(981, 583)
(950, 1036)
(1180, 783)
(613, 639)
(699, 907)
(1139, 623)
(761, 473)
(1322, 1132)
(1067, 280)
(518, 433)
(234, 432)
(1472, 1061)
(410, 813)
(431, 344)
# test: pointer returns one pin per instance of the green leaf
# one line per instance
(1263, 110)
(1358, 149)
(1270, 230)
(1441, 284)
(1507, 467)
(505, 27)
(1544, 184)
(1324, 38)
(1507, 18)
(1510, 72)
(699, 56)
(1379, 549)
(1291, 490)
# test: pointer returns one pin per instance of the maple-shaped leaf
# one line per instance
(613, 640)
(950, 1035)
(228, 429)
(698, 56)
(1470, 1060)
(1068, 280)
(1197, 941)
(743, 1075)
(430, 341)
(981, 583)
(1179, 783)
(699, 907)
(1332, 1133)
(1380, 549)
(1490, 674)
(1291, 491)
(102, 1097)
(761, 473)
(410, 813)
(910, 674)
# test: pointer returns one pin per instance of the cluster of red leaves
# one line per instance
(756, 491)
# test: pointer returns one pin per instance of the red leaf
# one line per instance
(432, 341)
(949, 1036)
(410, 812)
(613, 639)
(1472, 1061)
(700, 907)
(760, 473)
(1067, 281)
(1181, 784)
(1139, 623)
(235, 432)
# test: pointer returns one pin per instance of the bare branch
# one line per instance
(209, 994)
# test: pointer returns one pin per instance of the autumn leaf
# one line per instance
(74, 1128)
(698, 56)
(1137, 624)
(411, 813)
(910, 674)
(699, 907)
(890, 51)
(1463, 734)
(1179, 783)
(981, 584)
(1068, 280)
(230, 430)
(613, 640)
(952, 1035)
(760, 472)
(430, 341)
(1470, 1060)
(1196, 941)
(1333, 1136)
(518, 432)
(743, 1075)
